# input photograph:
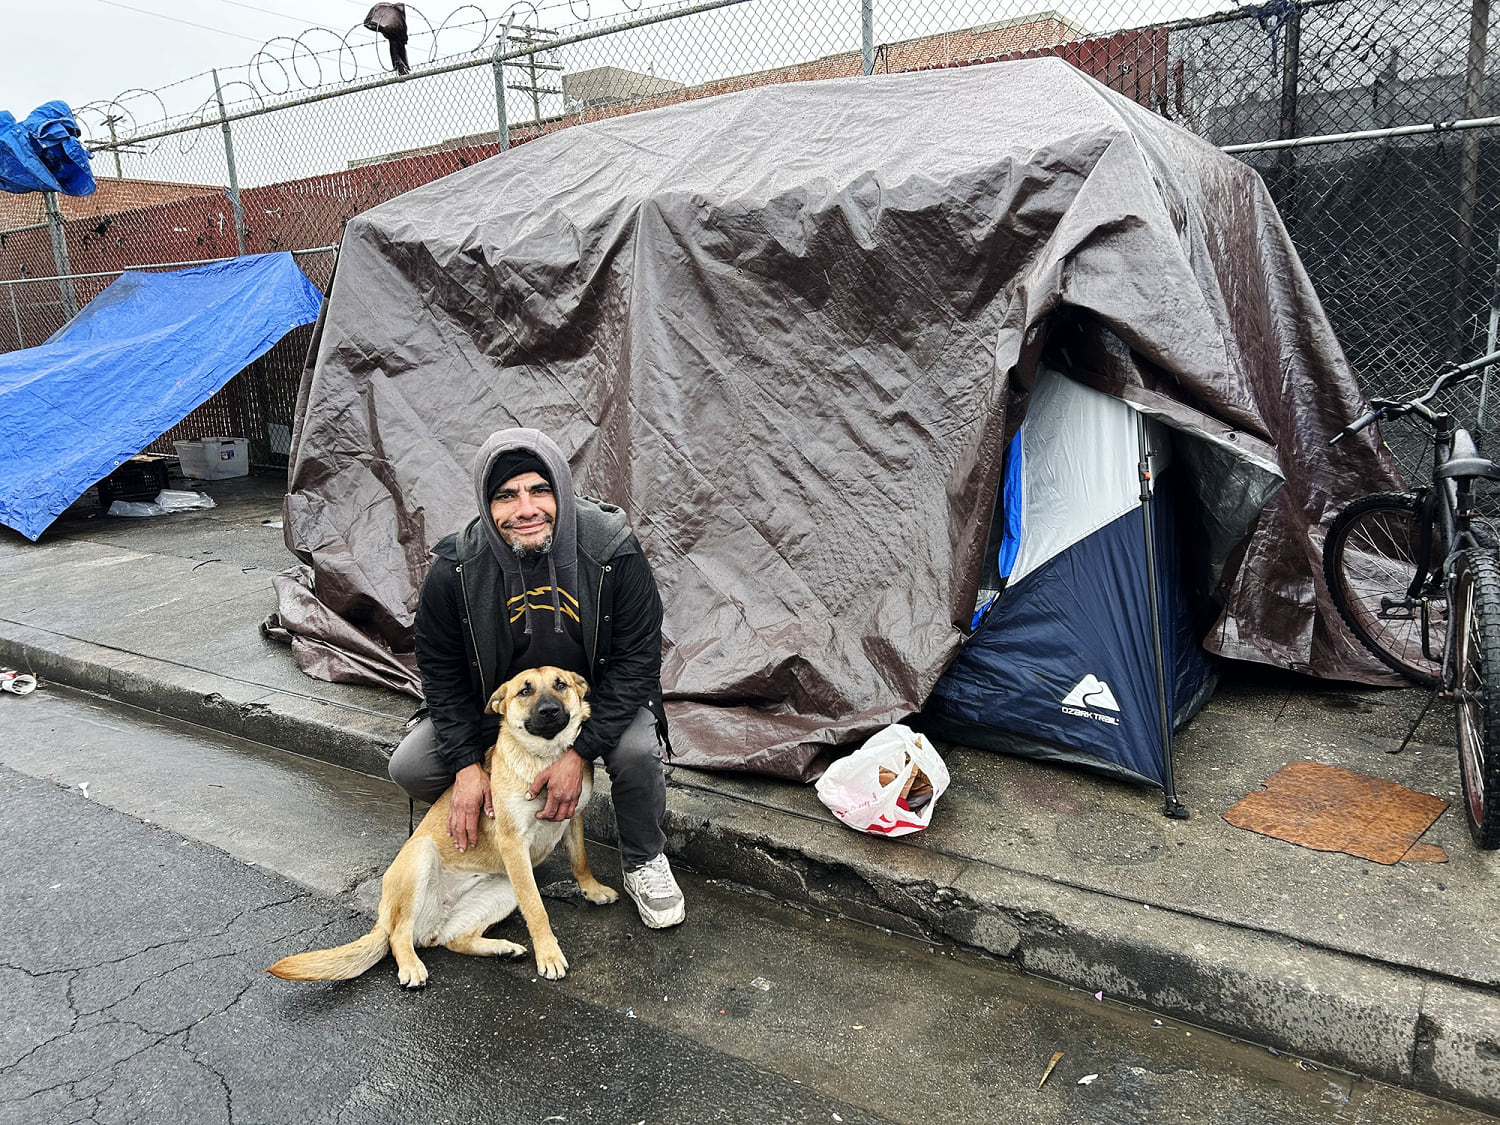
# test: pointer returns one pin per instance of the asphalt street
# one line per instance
(154, 870)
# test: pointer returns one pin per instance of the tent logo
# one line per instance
(1089, 697)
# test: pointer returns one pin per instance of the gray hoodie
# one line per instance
(562, 560)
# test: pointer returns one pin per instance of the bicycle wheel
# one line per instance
(1370, 562)
(1476, 695)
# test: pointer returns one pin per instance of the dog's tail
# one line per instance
(343, 962)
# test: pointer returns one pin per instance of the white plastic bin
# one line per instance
(214, 458)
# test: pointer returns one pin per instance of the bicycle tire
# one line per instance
(1476, 694)
(1370, 553)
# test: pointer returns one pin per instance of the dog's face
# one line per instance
(542, 705)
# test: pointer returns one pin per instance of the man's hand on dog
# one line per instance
(563, 780)
(471, 792)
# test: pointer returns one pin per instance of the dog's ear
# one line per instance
(580, 684)
(498, 698)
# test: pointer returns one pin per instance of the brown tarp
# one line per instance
(790, 332)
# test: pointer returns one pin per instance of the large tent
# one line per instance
(793, 331)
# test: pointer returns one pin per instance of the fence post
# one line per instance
(1287, 126)
(867, 33)
(1468, 169)
(16, 313)
(234, 180)
(60, 255)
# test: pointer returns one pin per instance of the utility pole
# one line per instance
(114, 142)
(534, 37)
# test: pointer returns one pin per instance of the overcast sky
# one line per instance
(90, 50)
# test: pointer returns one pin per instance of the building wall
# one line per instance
(110, 195)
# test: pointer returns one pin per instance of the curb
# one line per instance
(324, 729)
(1407, 1028)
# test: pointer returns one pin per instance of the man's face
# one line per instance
(524, 510)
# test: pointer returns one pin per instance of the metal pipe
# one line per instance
(13, 281)
(1367, 135)
(867, 33)
(60, 262)
(234, 182)
(1492, 337)
(16, 312)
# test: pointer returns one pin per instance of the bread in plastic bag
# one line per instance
(880, 789)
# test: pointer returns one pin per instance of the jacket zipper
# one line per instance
(463, 586)
(598, 614)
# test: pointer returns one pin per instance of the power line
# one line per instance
(174, 19)
(267, 11)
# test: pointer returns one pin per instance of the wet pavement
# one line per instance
(1391, 971)
(157, 869)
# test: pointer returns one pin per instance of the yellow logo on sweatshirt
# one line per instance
(541, 598)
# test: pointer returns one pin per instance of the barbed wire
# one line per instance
(320, 57)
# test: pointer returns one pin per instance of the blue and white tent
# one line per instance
(1088, 653)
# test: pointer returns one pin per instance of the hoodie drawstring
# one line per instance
(557, 621)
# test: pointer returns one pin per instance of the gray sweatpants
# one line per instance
(638, 784)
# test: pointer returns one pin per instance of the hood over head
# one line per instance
(562, 559)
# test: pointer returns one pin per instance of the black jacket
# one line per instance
(463, 640)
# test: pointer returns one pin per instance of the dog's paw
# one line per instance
(600, 895)
(551, 963)
(509, 949)
(413, 975)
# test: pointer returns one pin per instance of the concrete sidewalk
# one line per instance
(1387, 971)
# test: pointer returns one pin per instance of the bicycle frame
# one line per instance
(1445, 506)
(1449, 554)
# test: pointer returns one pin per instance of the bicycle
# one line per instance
(1407, 569)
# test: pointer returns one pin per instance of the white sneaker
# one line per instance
(656, 894)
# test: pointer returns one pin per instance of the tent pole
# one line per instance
(1173, 807)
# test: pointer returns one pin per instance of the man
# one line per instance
(545, 577)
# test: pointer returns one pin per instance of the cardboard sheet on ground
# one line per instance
(1333, 810)
(132, 364)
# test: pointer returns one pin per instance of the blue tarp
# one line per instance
(132, 364)
(43, 153)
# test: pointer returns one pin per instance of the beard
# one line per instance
(531, 554)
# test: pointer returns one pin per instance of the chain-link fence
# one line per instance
(1368, 119)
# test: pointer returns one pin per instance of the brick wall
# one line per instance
(110, 195)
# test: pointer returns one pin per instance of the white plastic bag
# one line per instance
(167, 500)
(852, 787)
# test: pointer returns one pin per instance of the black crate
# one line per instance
(140, 478)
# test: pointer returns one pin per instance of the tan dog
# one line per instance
(433, 894)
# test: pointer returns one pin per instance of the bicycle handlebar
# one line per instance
(1391, 408)
(1358, 424)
